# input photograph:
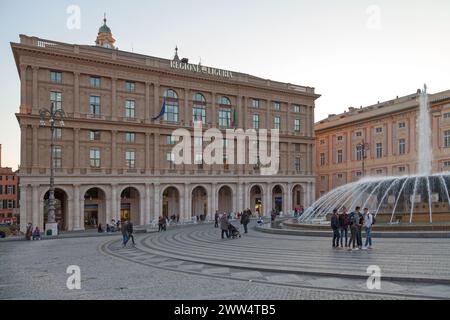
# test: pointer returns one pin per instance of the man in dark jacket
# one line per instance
(335, 227)
(245, 220)
(343, 226)
(130, 231)
(216, 220)
(124, 231)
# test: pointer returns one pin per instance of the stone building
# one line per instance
(113, 159)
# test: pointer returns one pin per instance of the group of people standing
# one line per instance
(356, 221)
(222, 220)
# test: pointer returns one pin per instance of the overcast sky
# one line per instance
(354, 52)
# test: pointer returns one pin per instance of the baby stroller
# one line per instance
(233, 231)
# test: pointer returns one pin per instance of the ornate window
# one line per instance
(130, 159)
(56, 76)
(256, 121)
(95, 82)
(94, 106)
(130, 86)
(55, 101)
(172, 106)
(277, 122)
(130, 137)
(94, 155)
(57, 157)
(402, 146)
(130, 109)
(199, 108)
(297, 125)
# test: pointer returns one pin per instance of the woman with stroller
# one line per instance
(224, 225)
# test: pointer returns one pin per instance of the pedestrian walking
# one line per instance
(245, 220)
(343, 227)
(161, 224)
(130, 231)
(368, 223)
(335, 228)
(224, 225)
(124, 231)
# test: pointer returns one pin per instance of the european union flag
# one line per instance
(163, 110)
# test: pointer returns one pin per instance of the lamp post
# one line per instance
(52, 115)
(363, 147)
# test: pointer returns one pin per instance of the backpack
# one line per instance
(350, 218)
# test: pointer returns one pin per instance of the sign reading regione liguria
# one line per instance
(200, 69)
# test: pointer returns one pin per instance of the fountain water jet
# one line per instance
(418, 191)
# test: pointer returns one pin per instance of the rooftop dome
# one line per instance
(104, 28)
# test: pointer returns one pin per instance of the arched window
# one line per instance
(198, 97)
(171, 94)
(199, 108)
(224, 101)
(172, 106)
(225, 120)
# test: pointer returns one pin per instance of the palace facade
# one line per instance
(379, 140)
(114, 160)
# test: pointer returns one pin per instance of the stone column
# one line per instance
(239, 112)
(156, 201)
(187, 121)
(285, 199)
(143, 208)
(76, 95)
(35, 162)
(35, 89)
(289, 198)
(268, 201)
(289, 120)
(187, 203)
(109, 211)
(114, 98)
(23, 208)
(240, 197)
(288, 159)
(245, 119)
(77, 208)
(156, 104)
(35, 205)
(268, 117)
(214, 205)
(76, 149)
(156, 152)
(148, 110)
(23, 147)
(115, 203)
(23, 89)
(148, 209)
(147, 151)
(114, 150)
(308, 122)
(214, 111)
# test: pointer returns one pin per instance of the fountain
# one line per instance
(417, 199)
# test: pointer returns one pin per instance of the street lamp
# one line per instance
(363, 147)
(52, 115)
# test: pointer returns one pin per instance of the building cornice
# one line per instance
(117, 58)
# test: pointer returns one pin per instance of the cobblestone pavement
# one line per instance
(37, 270)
